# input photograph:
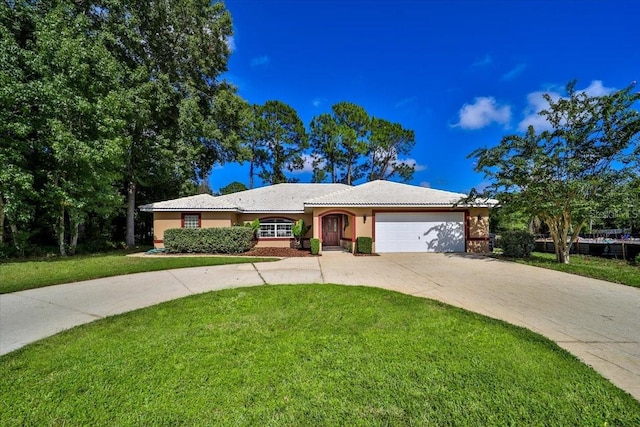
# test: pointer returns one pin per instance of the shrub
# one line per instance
(7, 251)
(637, 260)
(364, 245)
(300, 229)
(223, 240)
(517, 243)
(315, 246)
(253, 225)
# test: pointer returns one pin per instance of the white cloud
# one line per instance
(597, 89)
(537, 103)
(425, 184)
(404, 102)
(308, 164)
(414, 163)
(231, 43)
(318, 102)
(483, 112)
(260, 60)
(514, 72)
(483, 62)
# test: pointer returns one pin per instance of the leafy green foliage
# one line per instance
(223, 240)
(305, 355)
(300, 229)
(325, 147)
(315, 246)
(274, 140)
(253, 225)
(564, 174)
(388, 142)
(364, 245)
(233, 187)
(348, 145)
(105, 100)
(517, 243)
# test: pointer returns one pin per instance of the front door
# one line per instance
(330, 231)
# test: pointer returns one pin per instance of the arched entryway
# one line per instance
(331, 225)
(337, 229)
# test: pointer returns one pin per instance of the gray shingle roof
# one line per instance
(285, 198)
(200, 202)
(387, 193)
(280, 197)
(294, 198)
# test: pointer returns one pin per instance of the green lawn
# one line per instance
(304, 355)
(18, 276)
(612, 270)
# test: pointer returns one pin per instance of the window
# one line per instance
(191, 221)
(276, 228)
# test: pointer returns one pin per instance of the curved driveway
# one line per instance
(597, 321)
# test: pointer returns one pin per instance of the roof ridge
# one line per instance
(349, 188)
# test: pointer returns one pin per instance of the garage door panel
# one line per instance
(420, 232)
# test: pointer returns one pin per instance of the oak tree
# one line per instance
(564, 174)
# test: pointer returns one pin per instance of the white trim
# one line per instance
(276, 228)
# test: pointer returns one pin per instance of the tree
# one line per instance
(83, 149)
(181, 118)
(388, 142)
(109, 95)
(17, 121)
(324, 141)
(60, 139)
(339, 143)
(353, 128)
(282, 136)
(233, 187)
(253, 145)
(564, 174)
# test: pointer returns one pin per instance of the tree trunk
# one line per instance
(60, 233)
(16, 238)
(251, 174)
(75, 228)
(130, 238)
(558, 228)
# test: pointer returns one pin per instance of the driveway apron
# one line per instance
(597, 321)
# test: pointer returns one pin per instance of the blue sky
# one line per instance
(460, 73)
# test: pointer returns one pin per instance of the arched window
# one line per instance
(275, 228)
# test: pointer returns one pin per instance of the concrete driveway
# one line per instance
(597, 321)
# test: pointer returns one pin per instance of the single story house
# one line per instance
(398, 217)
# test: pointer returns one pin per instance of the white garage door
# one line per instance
(420, 232)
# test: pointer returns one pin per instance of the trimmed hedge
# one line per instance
(517, 243)
(364, 245)
(220, 240)
(315, 246)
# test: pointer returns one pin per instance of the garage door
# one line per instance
(420, 232)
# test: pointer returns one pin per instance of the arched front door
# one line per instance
(331, 230)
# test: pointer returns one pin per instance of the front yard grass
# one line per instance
(21, 275)
(304, 355)
(611, 270)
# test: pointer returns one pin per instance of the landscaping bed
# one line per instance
(278, 252)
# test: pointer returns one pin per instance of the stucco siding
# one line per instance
(478, 222)
(215, 219)
(163, 221)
